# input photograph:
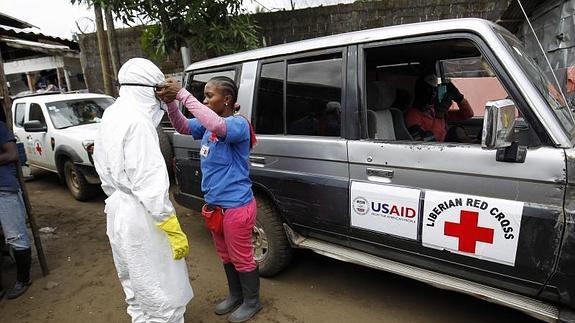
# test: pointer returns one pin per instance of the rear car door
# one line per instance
(301, 156)
(451, 206)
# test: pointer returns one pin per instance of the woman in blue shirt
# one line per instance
(226, 142)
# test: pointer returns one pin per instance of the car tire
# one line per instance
(80, 189)
(272, 249)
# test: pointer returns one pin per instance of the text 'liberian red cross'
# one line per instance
(468, 232)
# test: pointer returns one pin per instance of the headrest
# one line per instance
(380, 95)
(403, 99)
(333, 107)
(431, 80)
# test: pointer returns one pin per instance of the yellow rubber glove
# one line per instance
(177, 238)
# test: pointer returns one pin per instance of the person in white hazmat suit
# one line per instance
(147, 242)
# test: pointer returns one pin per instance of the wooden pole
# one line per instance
(6, 102)
(31, 85)
(112, 41)
(59, 77)
(103, 49)
(67, 78)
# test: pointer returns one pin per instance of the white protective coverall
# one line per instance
(133, 172)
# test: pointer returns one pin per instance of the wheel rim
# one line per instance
(260, 242)
(72, 178)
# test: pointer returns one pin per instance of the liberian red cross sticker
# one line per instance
(38, 148)
(468, 232)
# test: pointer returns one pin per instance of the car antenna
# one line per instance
(546, 59)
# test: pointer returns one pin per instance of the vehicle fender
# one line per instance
(261, 190)
(562, 282)
(65, 152)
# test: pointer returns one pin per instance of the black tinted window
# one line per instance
(19, 114)
(313, 103)
(36, 113)
(269, 111)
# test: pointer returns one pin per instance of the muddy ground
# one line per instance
(83, 286)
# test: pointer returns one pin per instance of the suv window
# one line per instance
(198, 81)
(313, 92)
(36, 113)
(313, 105)
(19, 114)
(402, 105)
(270, 112)
(548, 89)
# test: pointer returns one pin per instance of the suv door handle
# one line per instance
(258, 160)
(387, 173)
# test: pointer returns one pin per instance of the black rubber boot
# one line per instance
(23, 260)
(251, 290)
(235, 291)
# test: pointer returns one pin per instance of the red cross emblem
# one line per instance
(38, 148)
(468, 232)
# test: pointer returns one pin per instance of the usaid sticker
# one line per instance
(386, 209)
(473, 226)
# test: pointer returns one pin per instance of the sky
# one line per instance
(59, 18)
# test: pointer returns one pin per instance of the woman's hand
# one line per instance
(168, 91)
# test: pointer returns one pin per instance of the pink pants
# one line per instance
(235, 244)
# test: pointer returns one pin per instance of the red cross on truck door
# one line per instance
(473, 226)
(468, 232)
(38, 148)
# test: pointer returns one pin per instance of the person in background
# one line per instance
(13, 214)
(428, 119)
(148, 245)
(226, 142)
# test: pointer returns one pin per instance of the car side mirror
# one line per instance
(498, 125)
(35, 126)
(499, 131)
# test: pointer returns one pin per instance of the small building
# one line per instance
(37, 62)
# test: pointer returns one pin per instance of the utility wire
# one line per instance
(266, 8)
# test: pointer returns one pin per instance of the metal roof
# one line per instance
(38, 37)
(50, 49)
(6, 20)
(475, 25)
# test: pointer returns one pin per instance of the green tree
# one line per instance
(213, 27)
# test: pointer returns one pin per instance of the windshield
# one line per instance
(65, 114)
(545, 87)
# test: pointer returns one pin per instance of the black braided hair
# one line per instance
(227, 85)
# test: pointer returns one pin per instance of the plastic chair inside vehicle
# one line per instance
(380, 96)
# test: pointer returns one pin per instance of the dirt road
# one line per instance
(83, 286)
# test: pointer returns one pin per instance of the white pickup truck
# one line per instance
(58, 133)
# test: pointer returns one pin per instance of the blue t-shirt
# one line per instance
(225, 163)
(8, 177)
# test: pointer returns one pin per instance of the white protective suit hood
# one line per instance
(144, 72)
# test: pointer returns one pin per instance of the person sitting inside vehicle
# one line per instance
(427, 120)
(330, 122)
